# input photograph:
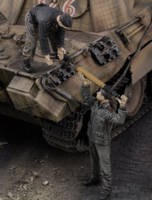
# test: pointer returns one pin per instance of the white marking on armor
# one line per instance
(52, 5)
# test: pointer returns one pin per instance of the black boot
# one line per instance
(91, 182)
(105, 197)
(27, 66)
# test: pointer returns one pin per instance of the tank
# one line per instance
(110, 42)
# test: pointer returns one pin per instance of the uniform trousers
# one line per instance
(101, 164)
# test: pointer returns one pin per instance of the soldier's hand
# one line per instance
(61, 51)
(85, 80)
(48, 60)
(122, 101)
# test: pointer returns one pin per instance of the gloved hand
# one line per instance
(85, 80)
(48, 60)
(61, 51)
(122, 101)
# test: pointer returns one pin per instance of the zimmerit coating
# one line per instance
(107, 14)
(11, 9)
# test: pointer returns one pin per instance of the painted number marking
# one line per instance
(52, 5)
(68, 8)
(41, 1)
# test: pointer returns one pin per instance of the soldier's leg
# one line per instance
(105, 167)
(95, 169)
(30, 44)
(95, 165)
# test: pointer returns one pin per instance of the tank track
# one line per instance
(147, 105)
(63, 134)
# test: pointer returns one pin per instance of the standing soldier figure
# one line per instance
(45, 22)
(99, 136)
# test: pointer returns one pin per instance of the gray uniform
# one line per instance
(99, 137)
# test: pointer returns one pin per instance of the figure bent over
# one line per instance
(44, 22)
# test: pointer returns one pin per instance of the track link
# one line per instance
(62, 134)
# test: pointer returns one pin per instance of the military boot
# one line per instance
(27, 66)
(105, 197)
(91, 182)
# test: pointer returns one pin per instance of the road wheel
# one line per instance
(135, 94)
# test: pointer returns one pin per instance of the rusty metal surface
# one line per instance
(11, 9)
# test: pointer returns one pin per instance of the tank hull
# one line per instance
(102, 41)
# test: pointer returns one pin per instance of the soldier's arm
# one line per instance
(86, 95)
(60, 35)
(85, 90)
(119, 117)
(43, 38)
(116, 118)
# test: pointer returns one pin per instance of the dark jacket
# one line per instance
(45, 17)
(101, 117)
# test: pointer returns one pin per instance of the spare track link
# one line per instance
(104, 51)
(143, 110)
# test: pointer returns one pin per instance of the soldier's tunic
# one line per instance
(99, 137)
(41, 23)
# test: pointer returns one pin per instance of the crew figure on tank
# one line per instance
(99, 136)
(45, 23)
